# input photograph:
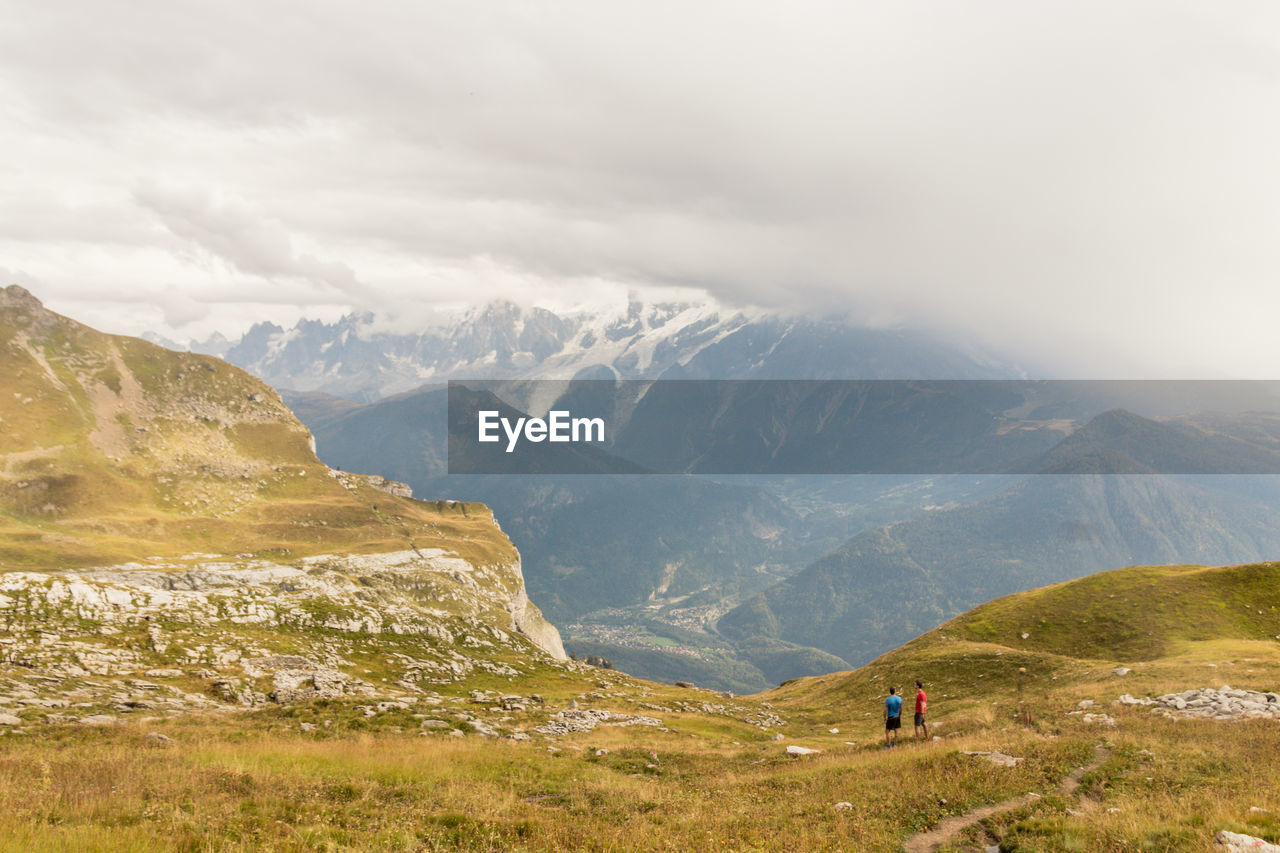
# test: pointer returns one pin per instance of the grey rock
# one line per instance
(585, 720)
(1237, 842)
(482, 728)
(306, 684)
(998, 758)
(1222, 705)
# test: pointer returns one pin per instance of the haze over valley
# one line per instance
(699, 578)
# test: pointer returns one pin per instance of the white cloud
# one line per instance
(1091, 183)
(231, 231)
(180, 309)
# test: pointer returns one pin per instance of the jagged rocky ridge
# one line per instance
(362, 358)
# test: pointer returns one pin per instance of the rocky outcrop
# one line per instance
(382, 484)
(296, 679)
(113, 449)
(528, 620)
(998, 758)
(1222, 704)
(427, 592)
(203, 617)
(584, 720)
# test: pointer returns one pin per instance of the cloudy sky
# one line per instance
(1090, 185)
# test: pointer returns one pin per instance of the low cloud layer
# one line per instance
(1091, 186)
(233, 234)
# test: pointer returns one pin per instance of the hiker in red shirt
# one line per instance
(922, 708)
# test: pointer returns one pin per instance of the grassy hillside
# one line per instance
(166, 512)
(1023, 664)
(112, 448)
(709, 774)
(887, 585)
(1140, 617)
(1134, 614)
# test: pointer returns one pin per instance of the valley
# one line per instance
(806, 573)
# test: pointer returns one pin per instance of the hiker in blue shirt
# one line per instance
(892, 717)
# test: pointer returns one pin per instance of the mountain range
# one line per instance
(739, 582)
(359, 358)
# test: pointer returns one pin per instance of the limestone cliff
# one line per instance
(165, 513)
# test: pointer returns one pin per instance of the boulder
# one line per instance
(304, 684)
(1236, 842)
(998, 758)
(482, 728)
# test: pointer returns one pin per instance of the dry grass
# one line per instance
(112, 448)
(1169, 786)
(255, 782)
(222, 787)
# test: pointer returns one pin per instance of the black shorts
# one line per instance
(892, 723)
(919, 719)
